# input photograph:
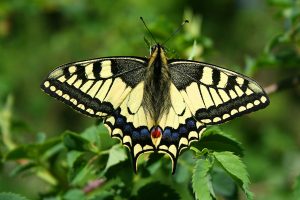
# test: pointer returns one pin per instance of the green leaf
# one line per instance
(296, 192)
(74, 194)
(223, 184)
(201, 182)
(33, 151)
(74, 141)
(235, 168)
(21, 168)
(117, 154)
(11, 196)
(216, 140)
(83, 168)
(99, 137)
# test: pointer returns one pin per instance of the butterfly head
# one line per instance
(157, 48)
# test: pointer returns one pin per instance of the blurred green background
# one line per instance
(259, 38)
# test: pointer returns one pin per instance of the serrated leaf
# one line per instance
(74, 141)
(235, 168)
(11, 196)
(201, 179)
(214, 139)
(117, 154)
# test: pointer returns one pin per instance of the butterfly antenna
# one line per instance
(176, 31)
(148, 30)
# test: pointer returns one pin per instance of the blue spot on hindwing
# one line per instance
(182, 130)
(191, 124)
(145, 133)
(120, 121)
(175, 136)
(135, 135)
(166, 134)
(127, 129)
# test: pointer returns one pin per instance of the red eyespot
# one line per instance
(156, 132)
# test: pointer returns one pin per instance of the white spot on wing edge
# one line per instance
(173, 150)
(137, 148)
(256, 102)
(193, 134)
(233, 112)
(249, 105)
(242, 108)
(59, 93)
(263, 99)
(226, 116)
(117, 131)
(91, 111)
(66, 97)
(111, 120)
(216, 119)
(127, 139)
(47, 84)
(52, 88)
(183, 141)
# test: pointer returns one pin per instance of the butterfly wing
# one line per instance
(109, 88)
(95, 87)
(215, 95)
(203, 94)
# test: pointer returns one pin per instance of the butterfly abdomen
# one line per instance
(157, 84)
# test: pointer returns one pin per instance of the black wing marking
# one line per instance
(95, 87)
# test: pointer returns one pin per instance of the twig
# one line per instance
(283, 84)
(91, 186)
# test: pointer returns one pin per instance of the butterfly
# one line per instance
(155, 104)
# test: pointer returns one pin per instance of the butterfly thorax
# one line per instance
(156, 97)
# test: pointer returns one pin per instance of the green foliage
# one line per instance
(88, 164)
(11, 196)
(235, 168)
(296, 192)
(202, 180)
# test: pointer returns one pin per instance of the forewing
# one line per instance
(95, 87)
(213, 94)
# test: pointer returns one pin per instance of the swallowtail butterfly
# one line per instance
(155, 104)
